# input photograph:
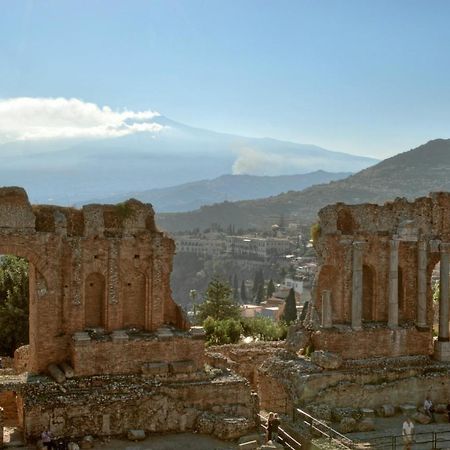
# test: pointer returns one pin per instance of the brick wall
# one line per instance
(128, 357)
(375, 342)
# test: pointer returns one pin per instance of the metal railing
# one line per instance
(433, 440)
(316, 426)
(283, 436)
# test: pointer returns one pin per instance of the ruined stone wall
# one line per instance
(244, 359)
(9, 405)
(93, 357)
(375, 269)
(373, 342)
(106, 406)
(102, 266)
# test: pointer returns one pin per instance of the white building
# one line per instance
(257, 247)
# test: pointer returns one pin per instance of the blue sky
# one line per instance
(365, 77)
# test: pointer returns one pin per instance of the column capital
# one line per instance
(394, 243)
(444, 247)
(358, 245)
(422, 245)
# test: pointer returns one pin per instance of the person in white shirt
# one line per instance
(428, 408)
(408, 433)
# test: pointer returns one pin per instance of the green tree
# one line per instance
(243, 292)
(257, 282)
(235, 288)
(290, 308)
(218, 303)
(13, 303)
(270, 288)
(260, 294)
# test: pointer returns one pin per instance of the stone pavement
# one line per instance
(181, 441)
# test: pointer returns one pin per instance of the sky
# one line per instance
(359, 76)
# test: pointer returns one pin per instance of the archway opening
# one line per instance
(134, 294)
(17, 282)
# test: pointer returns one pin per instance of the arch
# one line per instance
(94, 300)
(368, 294)
(134, 295)
(327, 281)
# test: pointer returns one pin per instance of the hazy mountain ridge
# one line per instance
(189, 196)
(75, 171)
(411, 174)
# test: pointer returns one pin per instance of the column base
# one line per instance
(442, 351)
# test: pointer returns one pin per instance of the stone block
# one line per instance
(197, 332)
(386, 411)
(81, 337)
(442, 351)
(56, 373)
(87, 442)
(119, 336)
(252, 437)
(348, 425)
(155, 368)
(408, 409)
(73, 446)
(68, 370)
(136, 435)
(326, 360)
(164, 334)
(367, 424)
(421, 418)
(186, 366)
(441, 408)
(367, 412)
(250, 445)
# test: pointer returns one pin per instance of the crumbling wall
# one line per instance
(70, 252)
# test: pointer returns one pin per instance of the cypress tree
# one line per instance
(290, 308)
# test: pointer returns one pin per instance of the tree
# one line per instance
(235, 288)
(13, 303)
(243, 292)
(260, 294)
(257, 281)
(270, 288)
(290, 308)
(218, 303)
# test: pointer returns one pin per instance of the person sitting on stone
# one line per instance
(47, 439)
(428, 408)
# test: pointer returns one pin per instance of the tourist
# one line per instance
(269, 427)
(275, 424)
(47, 439)
(408, 433)
(428, 408)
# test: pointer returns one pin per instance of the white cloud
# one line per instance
(26, 118)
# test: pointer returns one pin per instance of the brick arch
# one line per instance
(39, 263)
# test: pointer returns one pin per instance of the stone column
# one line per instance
(393, 284)
(443, 293)
(357, 285)
(422, 284)
(327, 313)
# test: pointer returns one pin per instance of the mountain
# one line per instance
(189, 196)
(411, 174)
(71, 171)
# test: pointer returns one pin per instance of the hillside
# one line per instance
(189, 196)
(411, 174)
